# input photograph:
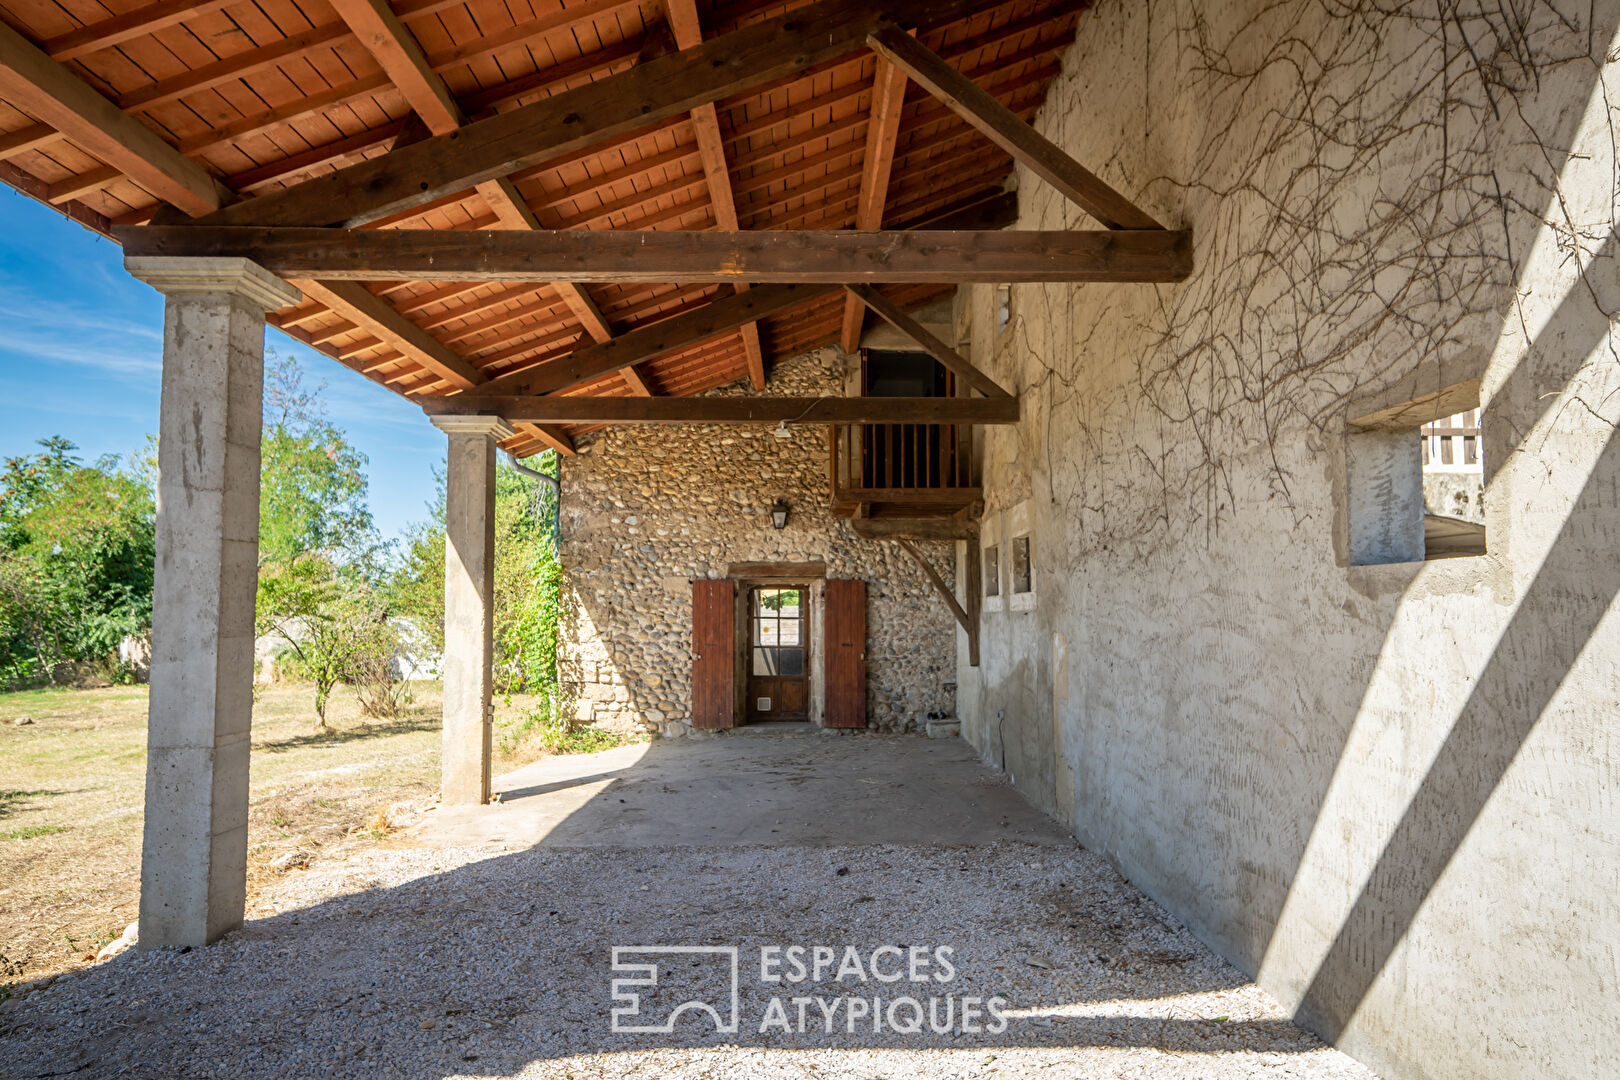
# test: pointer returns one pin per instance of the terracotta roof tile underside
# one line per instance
(267, 93)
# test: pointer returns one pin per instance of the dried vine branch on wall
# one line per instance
(1364, 180)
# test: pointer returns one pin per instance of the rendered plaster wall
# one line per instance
(647, 509)
(1388, 790)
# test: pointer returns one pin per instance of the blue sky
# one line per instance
(81, 345)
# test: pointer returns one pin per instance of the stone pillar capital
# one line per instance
(492, 426)
(177, 275)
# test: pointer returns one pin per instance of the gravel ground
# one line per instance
(457, 963)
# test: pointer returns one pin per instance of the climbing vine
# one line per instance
(1364, 178)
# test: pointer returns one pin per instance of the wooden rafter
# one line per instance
(1147, 255)
(661, 88)
(51, 94)
(362, 307)
(649, 342)
(396, 50)
(584, 409)
(121, 28)
(958, 364)
(995, 120)
(888, 101)
(688, 31)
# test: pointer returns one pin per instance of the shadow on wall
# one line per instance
(1233, 850)
(508, 961)
(1556, 616)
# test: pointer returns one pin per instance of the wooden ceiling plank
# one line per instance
(688, 30)
(49, 92)
(126, 27)
(888, 101)
(751, 409)
(588, 115)
(238, 66)
(953, 360)
(526, 31)
(979, 108)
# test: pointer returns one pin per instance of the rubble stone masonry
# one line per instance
(647, 509)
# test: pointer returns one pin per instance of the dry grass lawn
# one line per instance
(72, 784)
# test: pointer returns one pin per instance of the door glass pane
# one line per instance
(766, 632)
(765, 662)
(791, 661)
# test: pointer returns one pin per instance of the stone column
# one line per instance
(194, 854)
(469, 605)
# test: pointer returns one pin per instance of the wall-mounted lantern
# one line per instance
(779, 514)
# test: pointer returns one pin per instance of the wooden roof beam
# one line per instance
(53, 95)
(661, 88)
(837, 257)
(752, 409)
(979, 108)
(29, 138)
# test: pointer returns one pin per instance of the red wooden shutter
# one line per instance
(845, 654)
(714, 654)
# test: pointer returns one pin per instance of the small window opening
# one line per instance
(1412, 503)
(992, 571)
(1453, 487)
(1023, 574)
(1003, 307)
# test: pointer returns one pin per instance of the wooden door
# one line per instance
(714, 654)
(778, 654)
(844, 617)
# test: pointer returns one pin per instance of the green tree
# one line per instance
(312, 481)
(76, 558)
(528, 583)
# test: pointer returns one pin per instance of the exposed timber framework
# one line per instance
(650, 219)
(531, 229)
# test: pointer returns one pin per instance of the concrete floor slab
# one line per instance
(783, 784)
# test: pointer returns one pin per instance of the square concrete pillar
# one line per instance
(194, 852)
(469, 605)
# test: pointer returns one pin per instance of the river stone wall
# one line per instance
(645, 510)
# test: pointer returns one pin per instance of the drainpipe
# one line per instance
(549, 480)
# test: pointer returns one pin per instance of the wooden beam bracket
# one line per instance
(969, 624)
